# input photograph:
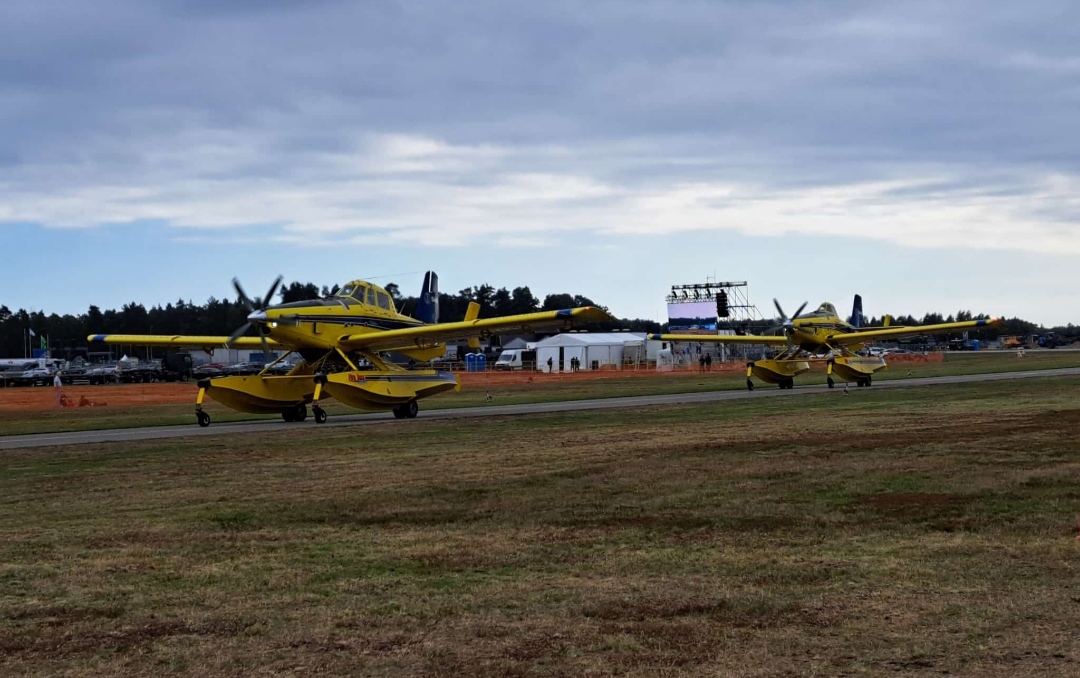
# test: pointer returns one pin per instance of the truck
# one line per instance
(172, 367)
(516, 359)
(175, 367)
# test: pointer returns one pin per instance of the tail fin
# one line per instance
(857, 319)
(472, 313)
(427, 311)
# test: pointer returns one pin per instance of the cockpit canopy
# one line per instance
(367, 293)
(827, 309)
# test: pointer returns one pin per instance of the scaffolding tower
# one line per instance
(742, 316)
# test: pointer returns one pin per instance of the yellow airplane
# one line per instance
(821, 334)
(334, 337)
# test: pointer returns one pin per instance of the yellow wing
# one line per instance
(721, 338)
(861, 337)
(430, 335)
(181, 341)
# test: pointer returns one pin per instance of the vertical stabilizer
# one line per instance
(856, 319)
(428, 309)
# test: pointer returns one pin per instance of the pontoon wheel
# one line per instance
(320, 415)
(203, 418)
(749, 385)
(411, 409)
(399, 412)
(831, 382)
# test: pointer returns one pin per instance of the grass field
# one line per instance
(919, 531)
(541, 390)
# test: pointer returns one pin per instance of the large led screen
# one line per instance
(696, 315)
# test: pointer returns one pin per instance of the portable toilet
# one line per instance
(481, 362)
(974, 344)
(470, 362)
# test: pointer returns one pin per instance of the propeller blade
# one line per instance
(268, 300)
(265, 348)
(799, 311)
(783, 316)
(237, 334)
(244, 298)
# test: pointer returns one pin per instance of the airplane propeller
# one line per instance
(786, 323)
(256, 316)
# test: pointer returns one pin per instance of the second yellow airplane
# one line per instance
(819, 335)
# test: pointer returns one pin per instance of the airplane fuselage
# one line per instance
(812, 333)
(359, 307)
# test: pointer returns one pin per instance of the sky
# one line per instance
(922, 154)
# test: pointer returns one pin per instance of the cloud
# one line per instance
(922, 124)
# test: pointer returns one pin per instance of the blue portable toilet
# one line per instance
(481, 362)
(974, 344)
(470, 362)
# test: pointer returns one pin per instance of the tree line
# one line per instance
(67, 333)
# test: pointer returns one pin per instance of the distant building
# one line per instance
(596, 350)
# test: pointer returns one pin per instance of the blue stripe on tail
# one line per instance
(428, 309)
(857, 319)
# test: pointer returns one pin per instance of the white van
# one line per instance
(516, 359)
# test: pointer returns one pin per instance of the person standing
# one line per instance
(58, 390)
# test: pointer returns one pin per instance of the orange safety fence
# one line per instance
(29, 398)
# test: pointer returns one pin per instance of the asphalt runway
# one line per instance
(262, 426)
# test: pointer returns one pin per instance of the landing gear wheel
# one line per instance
(320, 414)
(410, 409)
(869, 381)
(301, 412)
(749, 385)
(289, 415)
(789, 384)
(831, 382)
(399, 412)
(203, 418)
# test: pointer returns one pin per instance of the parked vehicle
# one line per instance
(102, 374)
(175, 367)
(244, 369)
(515, 359)
(209, 371)
(29, 373)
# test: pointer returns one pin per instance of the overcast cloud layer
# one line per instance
(926, 124)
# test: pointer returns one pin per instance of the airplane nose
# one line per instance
(257, 317)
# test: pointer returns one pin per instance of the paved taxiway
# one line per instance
(192, 430)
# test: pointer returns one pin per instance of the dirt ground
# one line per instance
(30, 399)
(892, 532)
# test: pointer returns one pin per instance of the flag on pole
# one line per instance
(43, 343)
(32, 333)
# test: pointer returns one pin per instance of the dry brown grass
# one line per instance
(888, 533)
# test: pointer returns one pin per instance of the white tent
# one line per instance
(594, 350)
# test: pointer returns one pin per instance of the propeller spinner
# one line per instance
(256, 316)
(786, 323)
